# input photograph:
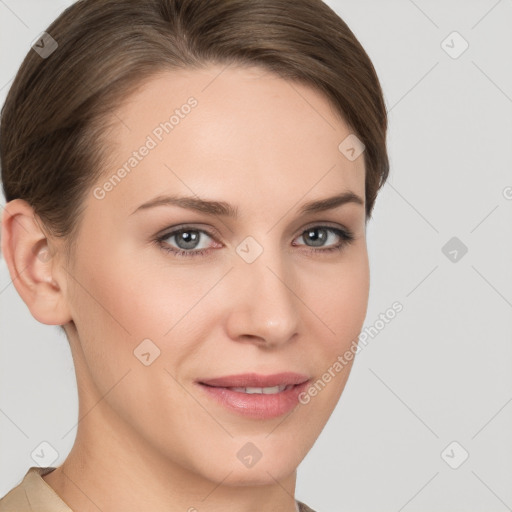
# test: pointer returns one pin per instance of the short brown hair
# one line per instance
(52, 134)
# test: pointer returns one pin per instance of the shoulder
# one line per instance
(32, 493)
(302, 507)
(16, 500)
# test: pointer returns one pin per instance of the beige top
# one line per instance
(33, 494)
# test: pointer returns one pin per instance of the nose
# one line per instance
(264, 306)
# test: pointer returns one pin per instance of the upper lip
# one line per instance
(256, 380)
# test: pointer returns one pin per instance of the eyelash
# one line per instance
(346, 235)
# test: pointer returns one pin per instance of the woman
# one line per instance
(188, 185)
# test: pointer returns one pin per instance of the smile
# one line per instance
(266, 391)
(256, 396)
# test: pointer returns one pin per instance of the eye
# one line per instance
(320, 234)
(188, 239)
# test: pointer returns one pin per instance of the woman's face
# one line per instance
(152, 326)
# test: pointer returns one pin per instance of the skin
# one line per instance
(148, 438)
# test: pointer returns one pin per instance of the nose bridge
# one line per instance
(265, 305)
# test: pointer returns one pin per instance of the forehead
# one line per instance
(228, 133)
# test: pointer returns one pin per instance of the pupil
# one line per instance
(317, 239)
(189, 240)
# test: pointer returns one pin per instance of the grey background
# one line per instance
(440, 371)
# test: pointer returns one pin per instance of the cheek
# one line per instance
(339, 296)
(119, 306)
(128, 301)
(340, 299)
(134, 297)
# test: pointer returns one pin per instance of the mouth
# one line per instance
(271, 390)
(256, 396)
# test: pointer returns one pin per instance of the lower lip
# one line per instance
(257, 405)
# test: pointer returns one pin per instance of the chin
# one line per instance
(275, 460)
(259, 475)
(242, 464)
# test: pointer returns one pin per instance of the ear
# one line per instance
(32, 264)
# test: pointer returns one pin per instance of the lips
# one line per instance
(256, 396)
(254, 380)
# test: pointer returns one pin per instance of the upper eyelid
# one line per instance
(192, 226)
(167, 232)
(171, 231)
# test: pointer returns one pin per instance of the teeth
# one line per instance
(266, 391)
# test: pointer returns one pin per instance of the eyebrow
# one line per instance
(221, 208)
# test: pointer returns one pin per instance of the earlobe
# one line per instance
(31, 264)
